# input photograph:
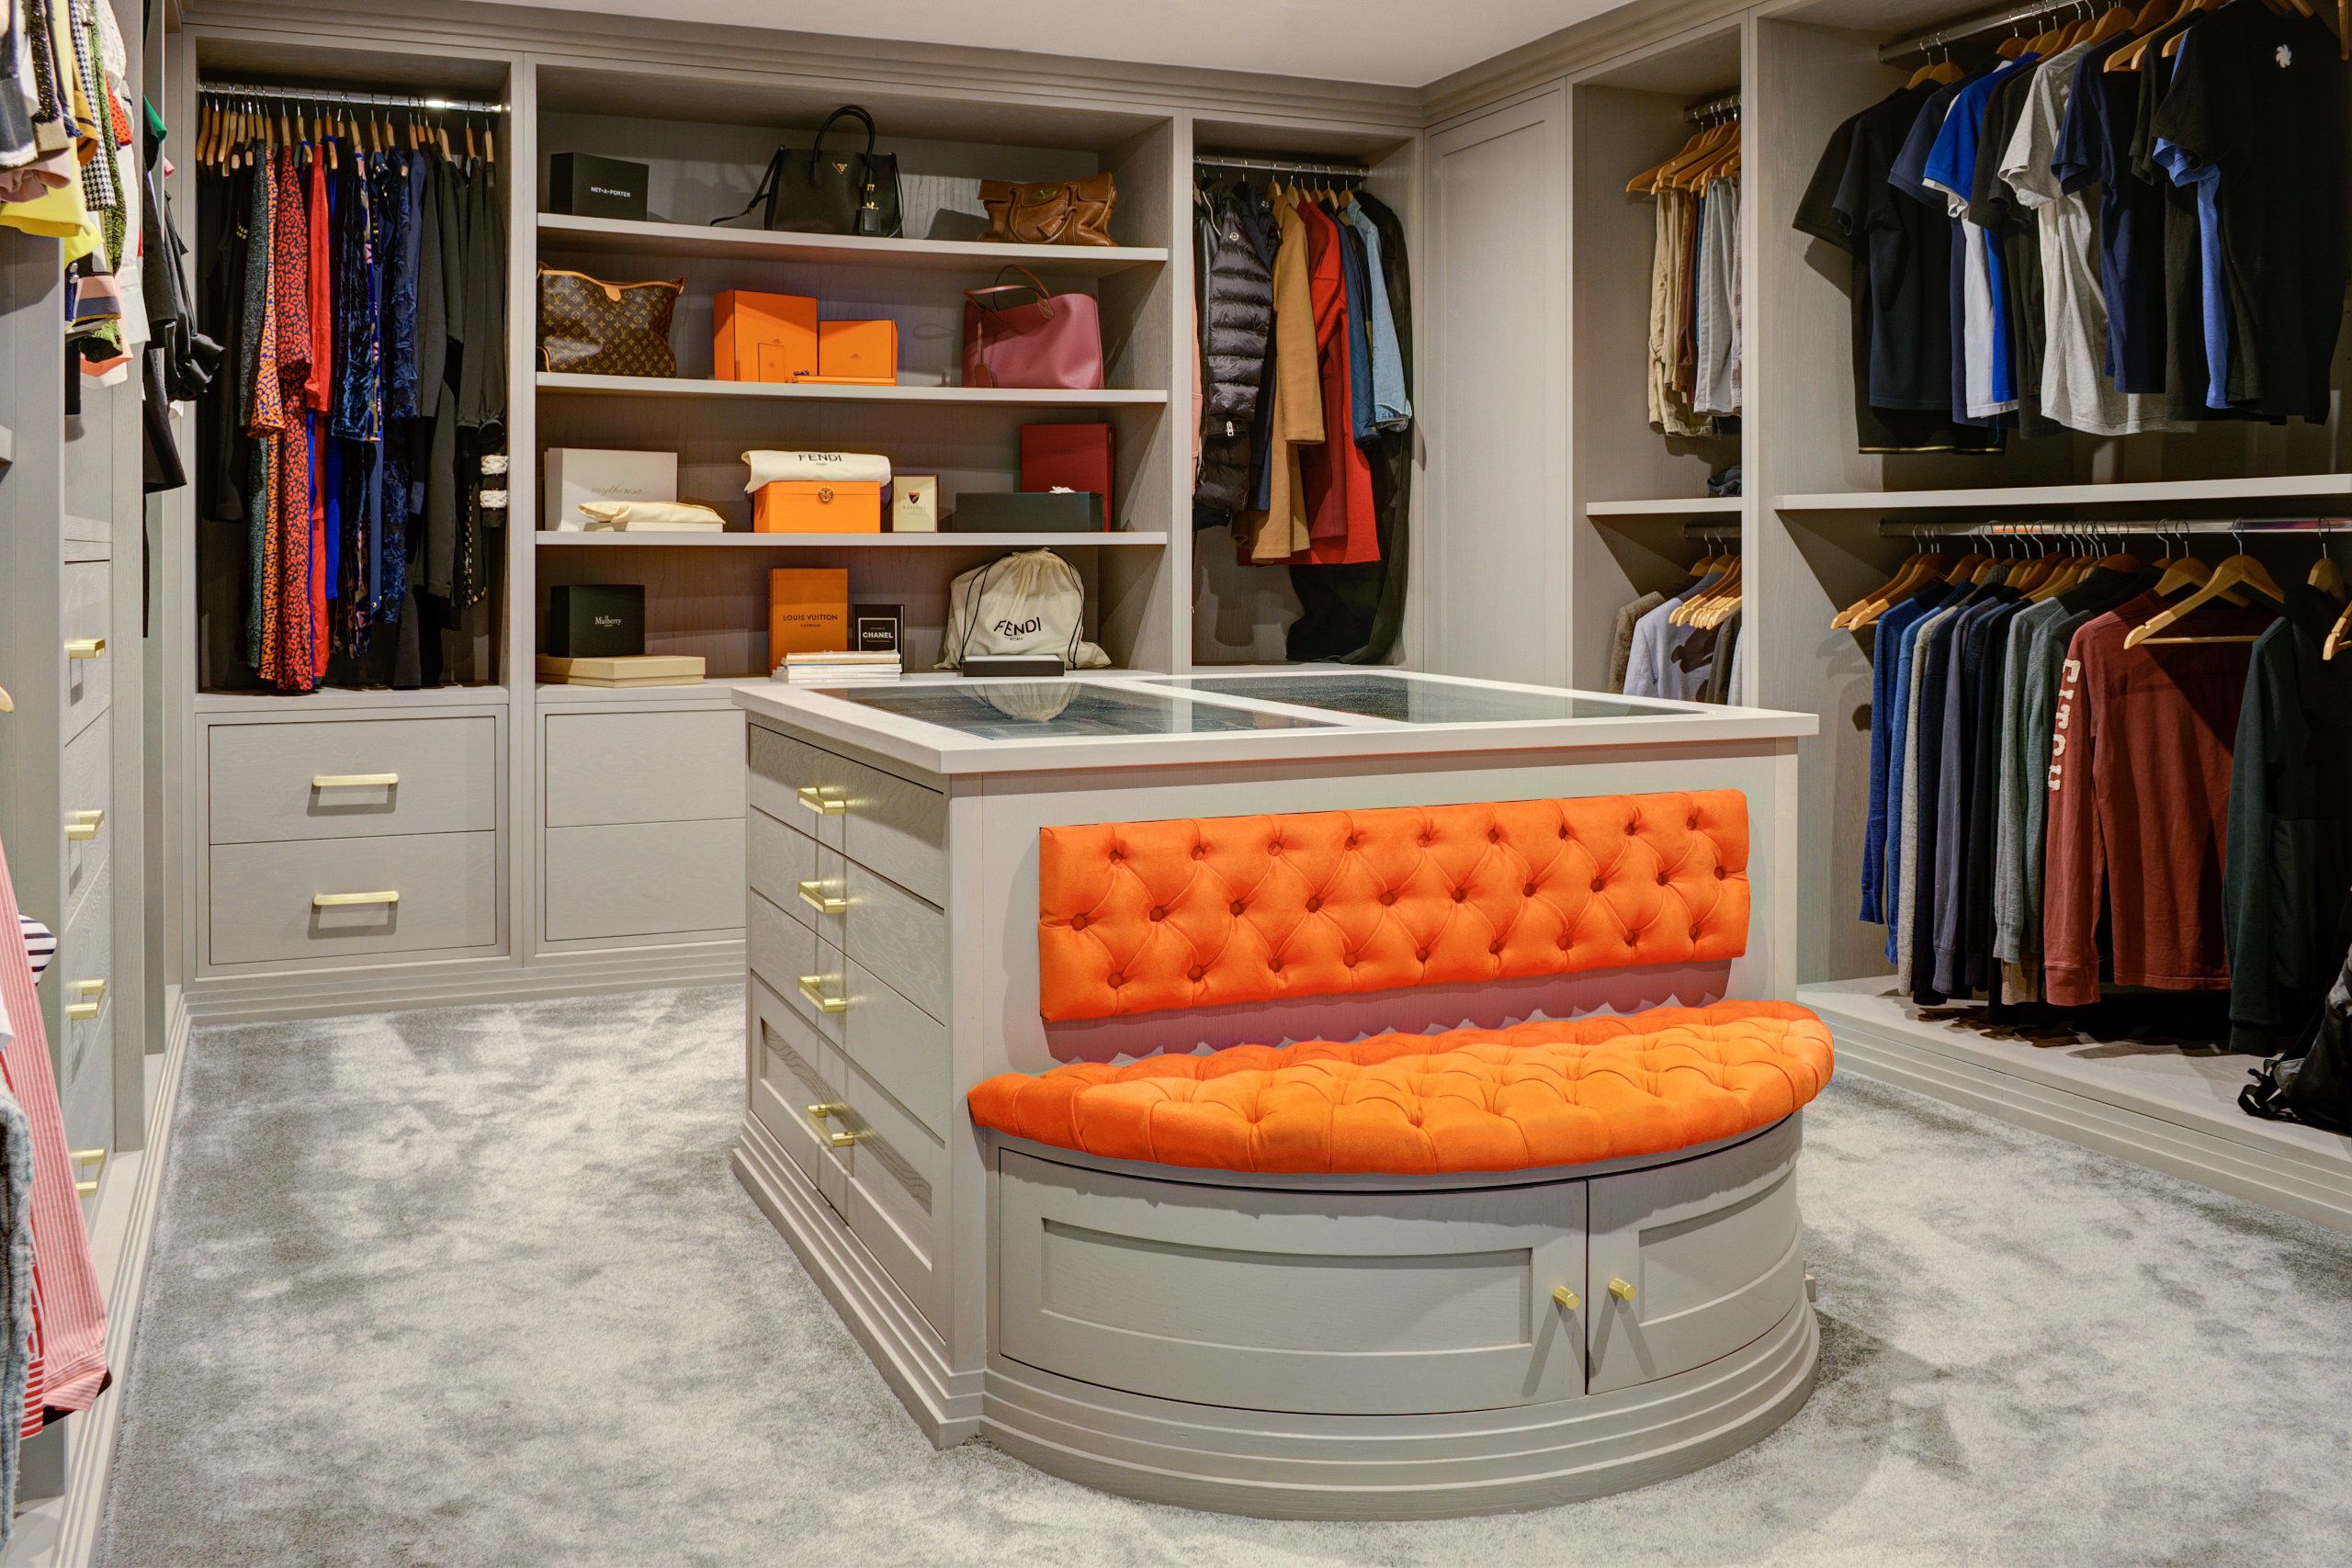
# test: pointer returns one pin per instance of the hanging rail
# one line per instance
(1984, 22)
(1722, 104)
(1279, 165)
(335, 96)
(2084, 527)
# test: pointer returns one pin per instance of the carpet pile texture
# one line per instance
(475, 1286)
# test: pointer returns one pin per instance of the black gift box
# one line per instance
(585, 185)
(596, 620)
(1027, 511)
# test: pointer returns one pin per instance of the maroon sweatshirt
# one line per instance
(2140, 801)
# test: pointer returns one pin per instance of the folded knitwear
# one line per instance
(677, 515)
(843, 468)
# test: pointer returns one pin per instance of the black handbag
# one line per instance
(818, 192)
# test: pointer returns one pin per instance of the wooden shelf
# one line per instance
(2285, 487)
(788, 391)
(621, 236)
(549, 538)
(1705, 506)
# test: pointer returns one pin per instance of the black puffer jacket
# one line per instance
(1236, 322)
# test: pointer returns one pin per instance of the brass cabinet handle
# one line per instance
(96, 1160)
(840, 1140)
(354, 781)
(813, 894)
(338, 900)
(814, 797)
(88, 987)
(85, 647)
(813, 987)
(1621, 1290)
(82, 1012)
(81, 827)
(1567, 1297)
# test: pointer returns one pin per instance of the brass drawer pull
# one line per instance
(88, 987)
(94, 993)
(813, 987)
(354, 781)
(85, 647)
(340, 900)
(95, 1161)
(813, 894)
(814, 797)
(1569, 1299)
(1621, 1290)
(838, 1139)
(81, 827)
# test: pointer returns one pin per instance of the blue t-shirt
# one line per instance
(2205, 181)
(1952, 168)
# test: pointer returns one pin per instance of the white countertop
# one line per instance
(1291, 730)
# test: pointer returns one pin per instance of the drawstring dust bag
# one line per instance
(1031, 602)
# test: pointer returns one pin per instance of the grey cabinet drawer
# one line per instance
(262, 897)
(278, 782)
(882, 821)
(87, 795)
(643, 767)
(88, 618)
(1712, 1249)
(779, 950)
(794, 1068)
(890, 1039)
(1346, 1304)
(83, 974)
(897, 1171)
(644, 879)
(880, 926)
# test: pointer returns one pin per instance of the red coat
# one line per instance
(1337, 477)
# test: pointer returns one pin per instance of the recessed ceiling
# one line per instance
(1406, 43)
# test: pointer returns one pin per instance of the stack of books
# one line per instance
(629, 670)
(839, 668)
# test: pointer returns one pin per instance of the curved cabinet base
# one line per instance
(1394, 1467)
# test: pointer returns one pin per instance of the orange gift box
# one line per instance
(807, 611)
(816, 506)
(860, 352)
(762, 337)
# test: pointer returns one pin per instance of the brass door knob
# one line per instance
(1621, 1290)
(1567, 1297)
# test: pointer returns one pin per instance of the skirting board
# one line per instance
(945, 1403)
(317, 993)
(63, 1531)
(2294, 1171)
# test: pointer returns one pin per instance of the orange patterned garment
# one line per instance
(1536, 1095)
(1142, 917)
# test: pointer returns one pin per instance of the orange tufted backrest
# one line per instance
(1141, 917)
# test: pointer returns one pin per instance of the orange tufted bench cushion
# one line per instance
(1538, 1094)
(1140, 917)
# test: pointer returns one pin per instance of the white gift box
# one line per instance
(914, 503)
(577, 474)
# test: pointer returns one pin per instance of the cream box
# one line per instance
(577, 474)
(914, 503)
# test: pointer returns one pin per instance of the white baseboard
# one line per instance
(317, 993)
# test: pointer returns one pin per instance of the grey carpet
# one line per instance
(476, 1287)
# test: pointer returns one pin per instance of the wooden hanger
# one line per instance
(1708, 138)
(2152, 31)
(1908, 567)
(2239, 570)
(2172, 45)
(2339, 636)
(2114, 23)
(2326, 575)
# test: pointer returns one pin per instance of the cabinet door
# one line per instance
(1498, 412)
(1711, 1249)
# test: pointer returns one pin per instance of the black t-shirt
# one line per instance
(1993, 206)
(1837, 207)
(2261, 97)
(2184, 366)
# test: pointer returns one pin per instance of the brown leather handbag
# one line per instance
(1050, 212)
(589, 327)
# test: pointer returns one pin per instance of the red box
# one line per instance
(1077, 457)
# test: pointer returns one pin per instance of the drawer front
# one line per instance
(895, 1187)
(1346, 1304)
(1712, 1249)
(780, 859)
(884, 822)
(83, 974)
(279, 782)
(884, 929)
(89, 614)
(780, 950)
(792, 1070)
(643, 767)
(886, 1037)
(644, 879)
(261, 903)
(88, 786)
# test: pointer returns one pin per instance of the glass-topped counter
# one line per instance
(1408, 699)
(1064, 709)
